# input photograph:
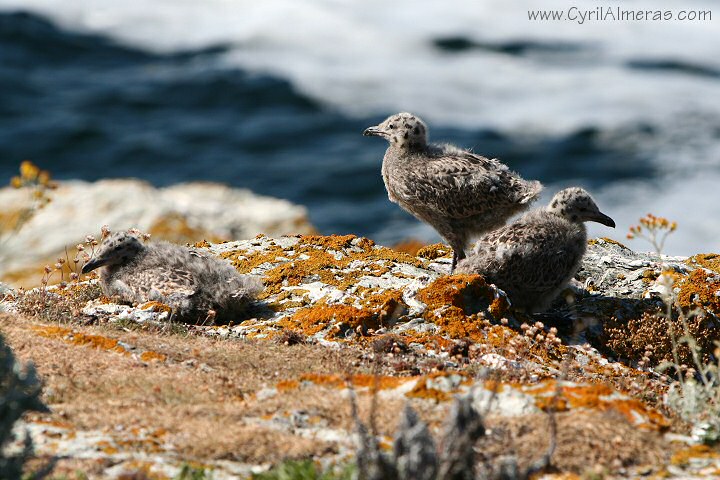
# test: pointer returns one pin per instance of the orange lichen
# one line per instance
(451, 301)
(135, 469)
(386, 305)
(310, 321)
(701, 288)
(499, 307)
(320, 258)
(456, 290)
(455, 324)
(106, 447)
(150, 356)
(685, 456)
(287, 385)
(411, 247)
(548, 394)
(98, 342)
(436, 250)
(711, 261)
(423, 387)
(202, 244)
(156, 307)
(381, 382)
(601, 240)
(76, 338)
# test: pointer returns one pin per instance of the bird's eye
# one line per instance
(392, 127)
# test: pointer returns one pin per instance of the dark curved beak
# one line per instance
(92, 264)
(373, 132)
(604, 219)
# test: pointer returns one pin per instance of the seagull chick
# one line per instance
(194, 285)
(458, 193)
(534, 258)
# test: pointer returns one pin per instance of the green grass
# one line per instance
(304, 470)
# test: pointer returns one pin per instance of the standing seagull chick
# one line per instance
(533, 259)
(457, 192)
(193, 285)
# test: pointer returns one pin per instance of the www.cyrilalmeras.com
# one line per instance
(618, 14)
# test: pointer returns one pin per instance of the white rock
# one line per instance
(80, 208)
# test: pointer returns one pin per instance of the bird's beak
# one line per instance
(600, 217)
(92, 264)
(373, 132)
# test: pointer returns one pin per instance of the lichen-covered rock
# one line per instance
(179, 213)
(431, 336)
(627, 295)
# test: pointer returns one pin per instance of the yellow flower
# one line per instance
(44, 178)
(29, 171)
(16, 182)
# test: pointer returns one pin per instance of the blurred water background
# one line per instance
(273, 96)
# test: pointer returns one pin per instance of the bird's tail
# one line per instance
(248, 288)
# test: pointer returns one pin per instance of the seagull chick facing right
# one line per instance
(457, 192)
(195, 286)
(534, 258)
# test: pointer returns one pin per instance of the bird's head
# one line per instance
(576, 205)
(403, 130)
(118, 249)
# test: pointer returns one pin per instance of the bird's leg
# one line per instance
(458, 254)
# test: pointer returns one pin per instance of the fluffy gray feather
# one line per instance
(457, 192)
(193, 283)
(534, 258)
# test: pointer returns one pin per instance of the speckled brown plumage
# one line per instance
(196, 285)
(457, 192)
(534, 258)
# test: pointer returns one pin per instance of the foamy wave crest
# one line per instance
(371, 57)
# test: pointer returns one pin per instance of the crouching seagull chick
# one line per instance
(195, 286)
(458, 193)
(534, 258)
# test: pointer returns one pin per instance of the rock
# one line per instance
(429, 337)
(180, 213)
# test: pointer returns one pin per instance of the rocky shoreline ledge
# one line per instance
(180, 213)
(339, 311)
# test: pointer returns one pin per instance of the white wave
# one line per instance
(374, 57)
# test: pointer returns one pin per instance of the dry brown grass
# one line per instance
(206, 387)
(203, 399)
(587, 441)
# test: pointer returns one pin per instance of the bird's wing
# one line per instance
(461, 184)
(525, 253)
(165, 282)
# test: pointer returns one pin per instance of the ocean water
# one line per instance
(274, 95)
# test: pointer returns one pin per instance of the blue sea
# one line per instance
(274, 95)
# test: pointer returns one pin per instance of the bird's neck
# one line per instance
(397, 152)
